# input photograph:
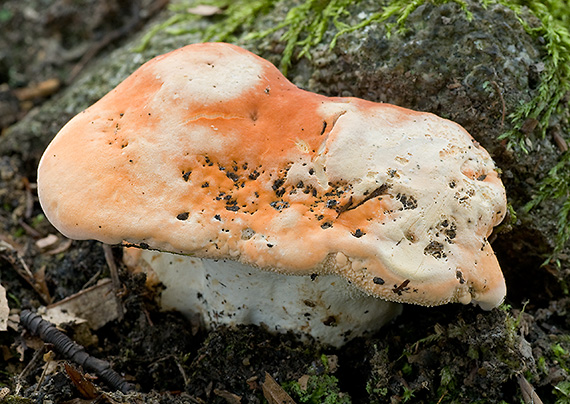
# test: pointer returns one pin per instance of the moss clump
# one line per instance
(321, 389)
(306, 25)
(444, 365)
(235, 16)
(556, 186)
(399, 10)
(555, 74)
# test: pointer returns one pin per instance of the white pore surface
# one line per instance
(230, 293)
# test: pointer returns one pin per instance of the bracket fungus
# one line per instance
(209, 153)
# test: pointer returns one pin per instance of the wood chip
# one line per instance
(274, 393)
(230, 398)
(204, 10)
(4, 393)
(63, 246)
(560, 142)
(47, 242)
(4, 310)
(96, 304)
(528, 393)
(40, 90)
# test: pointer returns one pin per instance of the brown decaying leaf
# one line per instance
(85, 387)
(12, 253)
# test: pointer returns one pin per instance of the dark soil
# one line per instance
(447, 354)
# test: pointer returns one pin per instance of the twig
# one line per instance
(48, 357)
(92, 280)
(110, 258)
(498, 89)
(73, 351)
(37, 355)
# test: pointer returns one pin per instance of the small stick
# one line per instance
(48, 357)
(73, 351)
(498, 89)
(115, 278)
(37, 355)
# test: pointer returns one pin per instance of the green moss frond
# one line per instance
(306, 25)
(562, 392)
(555, 78)
(235, 16)
(554, 85)
(400, 10)
(556, 186)
(322, 389)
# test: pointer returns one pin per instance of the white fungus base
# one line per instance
(224, 292)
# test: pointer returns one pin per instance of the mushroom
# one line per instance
(230, 180)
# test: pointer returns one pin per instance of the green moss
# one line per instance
(38, 220)
(561, 354)
(554, 84)
(306, 25)
(556, 186)
(319, 389)
(555, 78)
(562, 392)
(235, 16)
(399, 10)
(407, 394)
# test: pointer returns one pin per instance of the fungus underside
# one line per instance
(306, 24)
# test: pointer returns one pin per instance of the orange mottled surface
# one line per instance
(210, 151)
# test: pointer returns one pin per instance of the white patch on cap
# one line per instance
(207, 78)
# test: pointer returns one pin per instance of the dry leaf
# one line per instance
(304, 382)
(41, 285)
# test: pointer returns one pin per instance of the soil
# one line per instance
(446, 354)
